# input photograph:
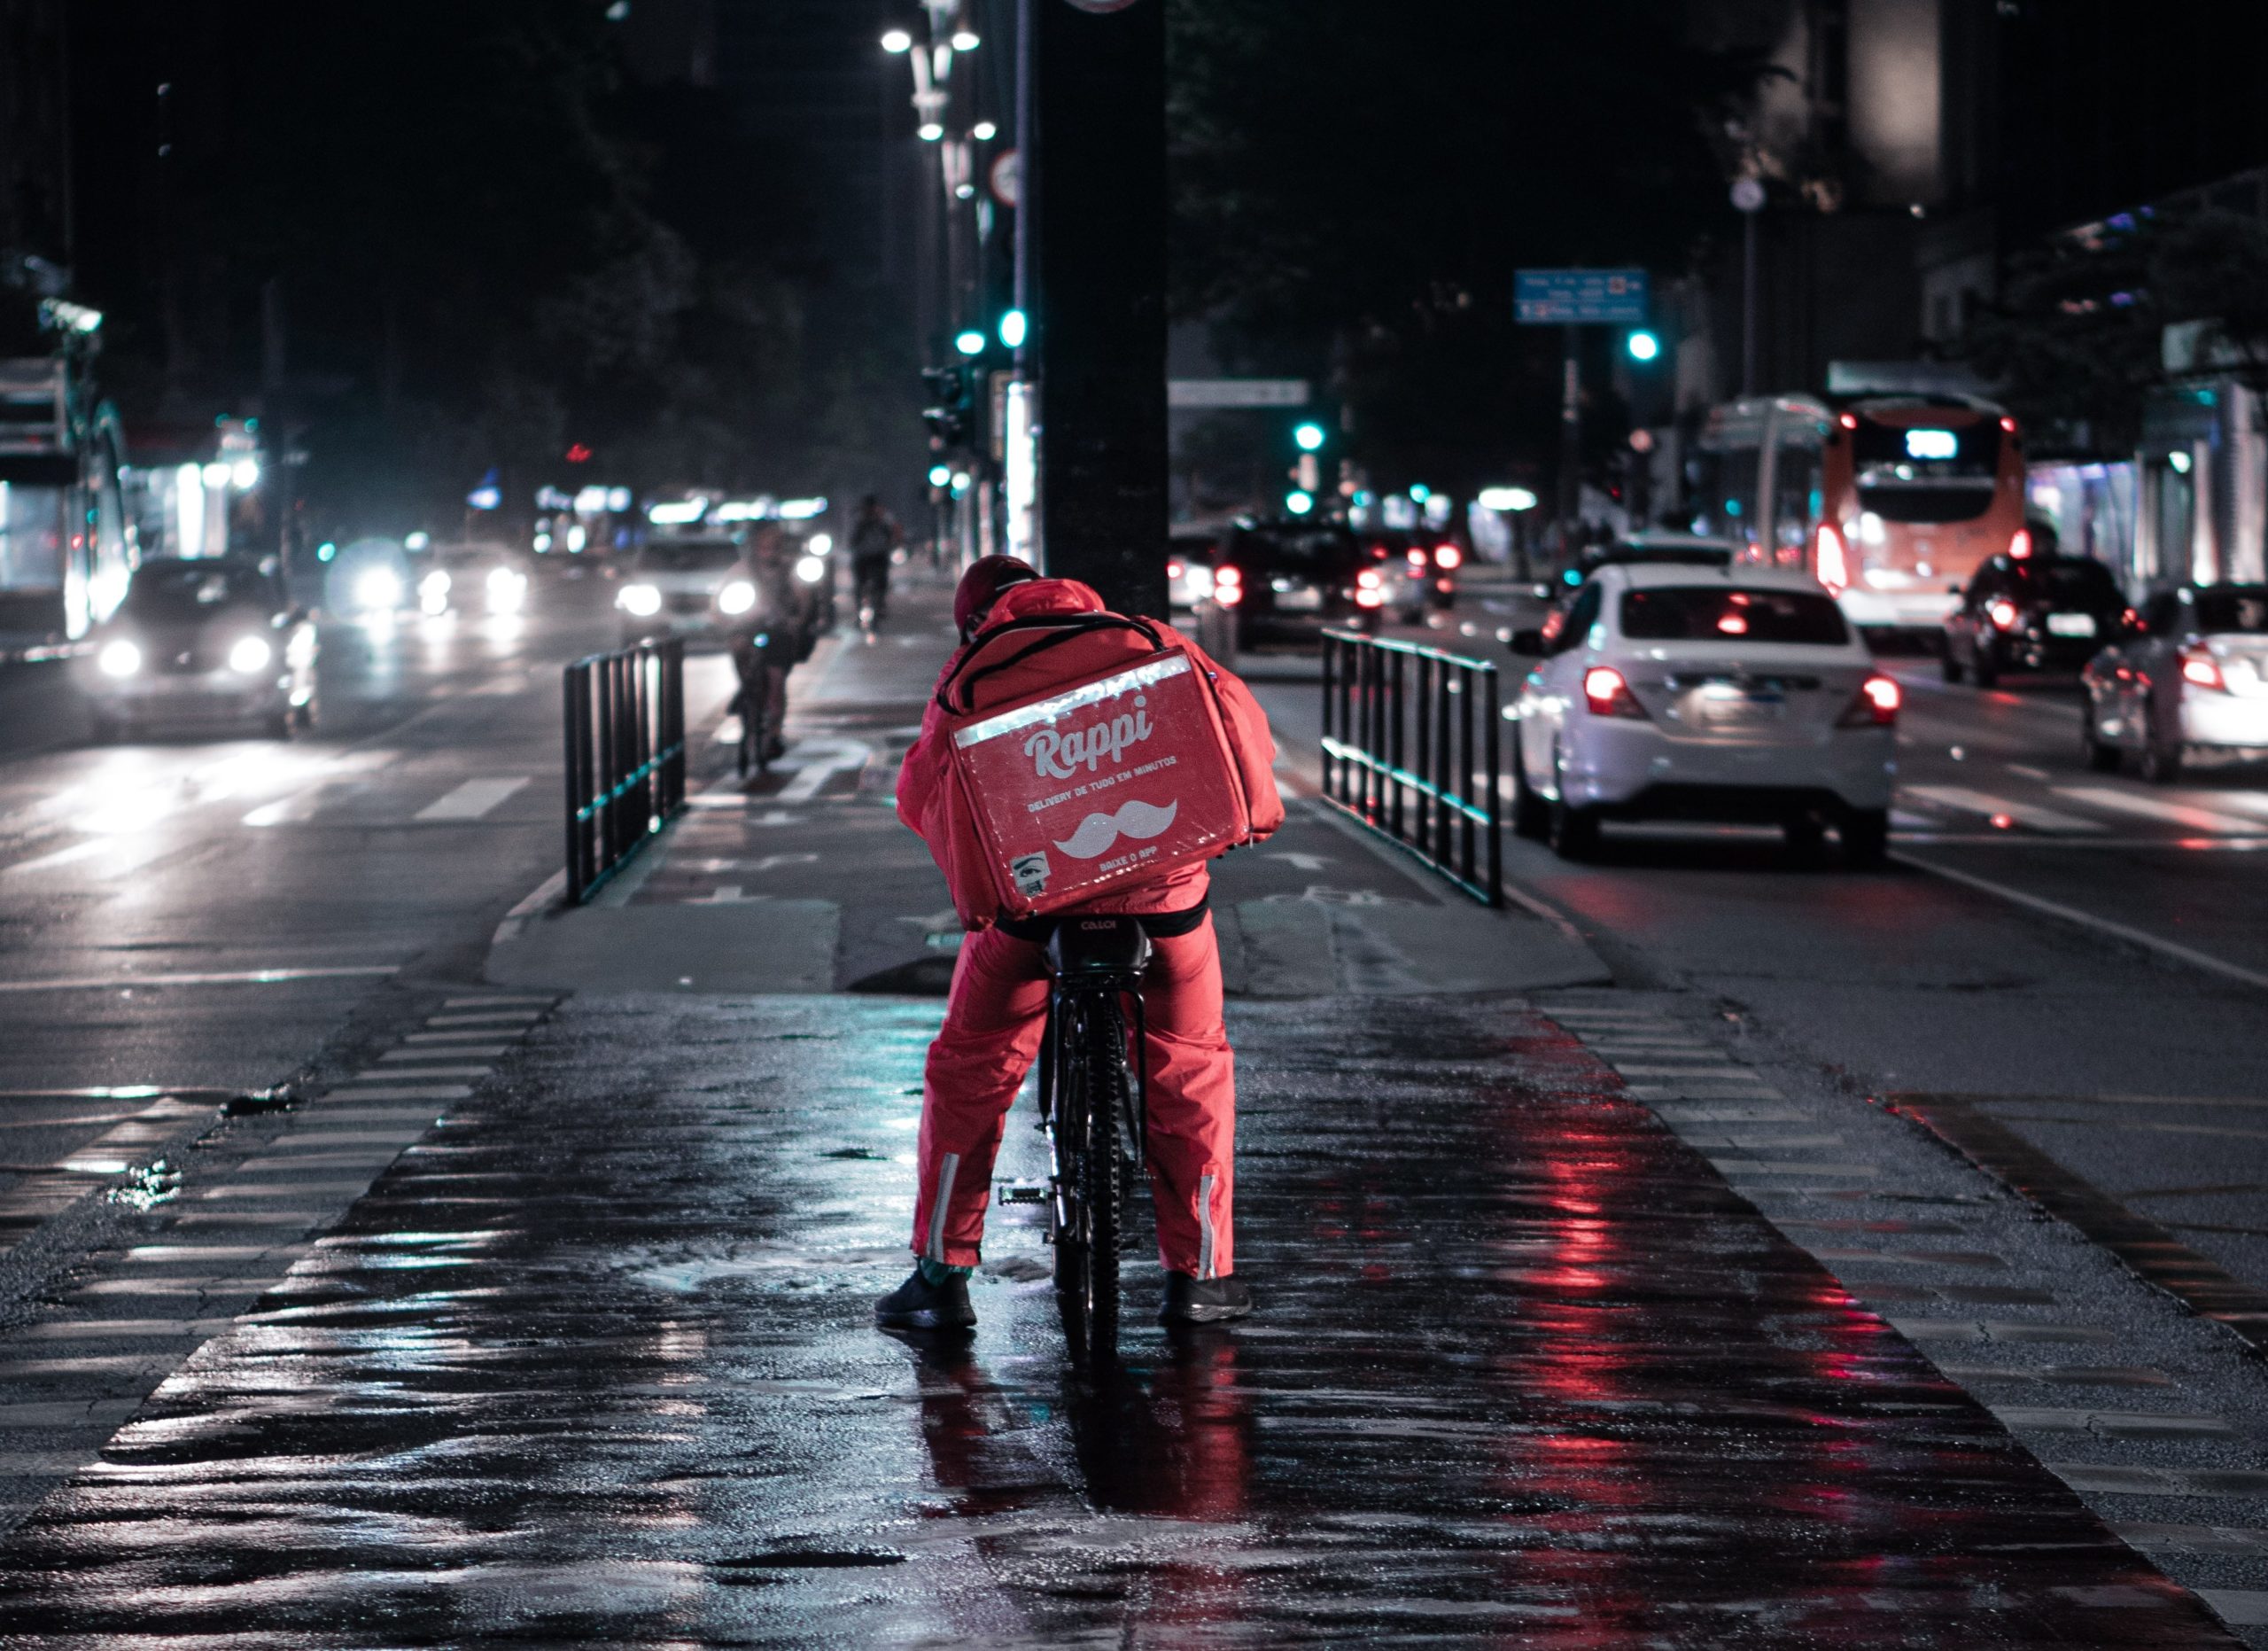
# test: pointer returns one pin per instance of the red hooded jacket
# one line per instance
(922, 781)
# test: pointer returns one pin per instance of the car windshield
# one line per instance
(1714, 613)
(712, 556)
(1317, 547)
(2073, 582)
(1691, 555)
(170, 595)
(2238, 608)
(1926, 470)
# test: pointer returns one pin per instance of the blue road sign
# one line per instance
(1556, 296)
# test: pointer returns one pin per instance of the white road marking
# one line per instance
(471, 800)
(1303, 862)
(816, 762)
(2155, 808)
(1966, 800)
(2088, 920)
(222, 977)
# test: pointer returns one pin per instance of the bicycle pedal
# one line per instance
(1022, 1192)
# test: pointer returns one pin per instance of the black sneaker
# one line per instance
(917, 1305)
(1204, 1301)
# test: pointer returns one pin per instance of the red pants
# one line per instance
(994, 1023)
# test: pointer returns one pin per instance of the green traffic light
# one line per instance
(1643, 345)
(1309, 437)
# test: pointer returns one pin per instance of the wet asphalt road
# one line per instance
(2142, 1072)
(590, 1367)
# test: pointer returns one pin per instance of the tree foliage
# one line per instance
(481, 244)
(2076, 342)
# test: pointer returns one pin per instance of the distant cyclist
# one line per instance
(773, 637)
(874, 539)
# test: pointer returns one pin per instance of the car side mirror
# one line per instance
(1528, 644)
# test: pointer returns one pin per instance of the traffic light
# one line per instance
(1309, 437)
(952, 412)
(1643, 345)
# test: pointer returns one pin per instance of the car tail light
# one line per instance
(2200, 669)
(1607, 695)
(1834, 561)
(2020, 544)
(1445, 584)
(1174, 570)
(2002, 612)
(1370, 578)
(1417, 558)
(1228, 587)
(1366, 598)
(1875, 705)
(2008, 425)
(1448, 557)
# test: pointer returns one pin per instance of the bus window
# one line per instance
(1795, 502)
(1926, 473)
(1739, 490)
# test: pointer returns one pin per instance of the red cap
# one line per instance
(982, 585)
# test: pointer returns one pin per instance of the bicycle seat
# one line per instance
(1099, 946)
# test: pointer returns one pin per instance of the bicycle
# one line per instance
(1092, 1111)
(872, 581)
(752, 704)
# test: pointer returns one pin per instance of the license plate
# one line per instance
(2071, 625)
(1737, 710)
(1303, 600)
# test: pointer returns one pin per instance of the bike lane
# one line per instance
(592, 1364)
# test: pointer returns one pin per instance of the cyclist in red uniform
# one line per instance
(998, 1007)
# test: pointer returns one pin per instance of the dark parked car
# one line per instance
(1285, 581)
(203, 641)
(2032, 613)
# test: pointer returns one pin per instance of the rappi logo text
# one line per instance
(1058, 755)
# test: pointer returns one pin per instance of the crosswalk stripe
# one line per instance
(2156, 808)
(1964, 800)
(471, 800)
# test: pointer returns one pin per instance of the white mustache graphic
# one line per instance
(1098, 832)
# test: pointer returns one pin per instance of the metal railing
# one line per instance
(1410, 750)
(626, 756)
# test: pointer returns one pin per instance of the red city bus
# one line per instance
(1892, 500)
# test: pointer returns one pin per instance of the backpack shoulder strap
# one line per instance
(1058, 628)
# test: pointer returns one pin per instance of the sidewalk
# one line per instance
(1572, 1330)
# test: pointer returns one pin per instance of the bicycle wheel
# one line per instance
(1092, 1190)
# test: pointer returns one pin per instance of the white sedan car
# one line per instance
(1697, 693)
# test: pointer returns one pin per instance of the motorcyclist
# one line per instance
(874, 539)
(997, 1008)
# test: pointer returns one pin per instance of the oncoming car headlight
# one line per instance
(379, 587)
(737, 597)
(433, 592)
(508, 590)
(118, 658)
(250, 654)
(643, 600)
(811, 569)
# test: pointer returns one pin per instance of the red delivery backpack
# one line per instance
(1123, 769)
